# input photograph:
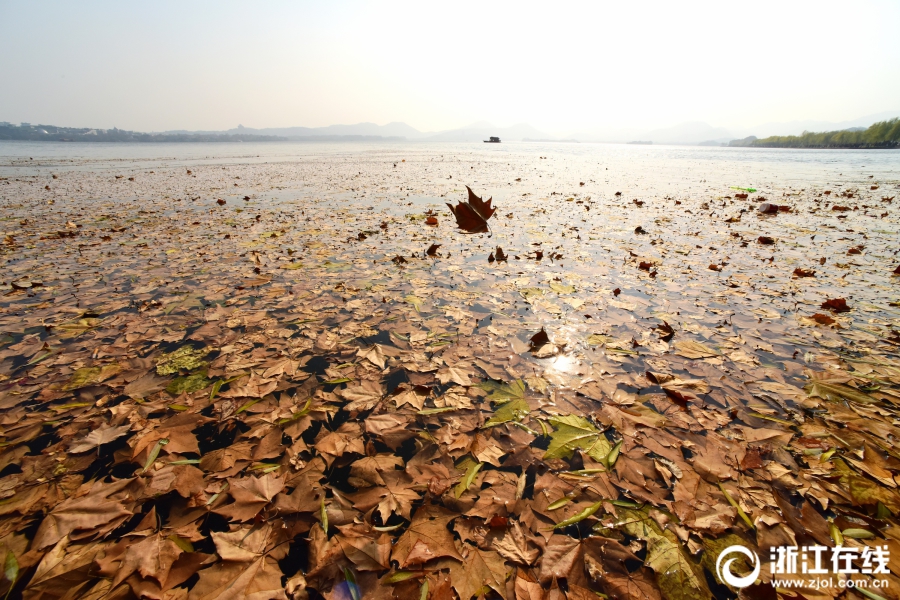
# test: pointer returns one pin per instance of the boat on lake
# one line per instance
(493, 140)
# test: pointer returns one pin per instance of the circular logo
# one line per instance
(724, 570)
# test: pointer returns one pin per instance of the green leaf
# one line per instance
(598, 339)
(678, 577)
(531, 292)
(511, 411)
(399, 576)
(415, 301)
(83, 377)
(836, 392)
(580, 516)
(573, 432)
(713, 547)
(186, 358)
(337, 381)
(736, 506)
(858, 534)
(463, 485)
(351, 584)
(247, 405)
(188, 385)
(504, 392)
(869, 594)
(181, 543)
(613, 455)
(692, 349)
(436, 411)
(865, 491)
(560, 288)
(558, 503)
(11, 567)
(154, 454)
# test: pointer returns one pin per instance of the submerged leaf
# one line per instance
(574, 432)
(837, 392)
(186, 358)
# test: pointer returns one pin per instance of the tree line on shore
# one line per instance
(884, 134)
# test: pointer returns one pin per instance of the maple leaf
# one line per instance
(472, 216)
(638, 585)
(426, 538)
(91, 512)
(251, 494)
(151, 557)
(563, 558)
(539, 339)
(677, 576)
(369, 550)
(692, 349)
(666, 332)
(103, 435)
(334, 444)
(395, 497)
(574, 432)
(514, 410)
(392, 428)
(836, 305)
(370, 468)
(480, 570)
(503, 392)
(366, 394)
(258, 580)
(835, 391)
(514, 546)
(415, 397)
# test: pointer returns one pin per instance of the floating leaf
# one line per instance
(503, 392)
(186, 358)
(515, 410)
(467, 480)
(692, 349)
(837, 392)
(587, 512)
(574, 432)
(472, 216)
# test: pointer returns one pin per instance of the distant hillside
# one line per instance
(885, 134)
(367, 131)
(52, 133)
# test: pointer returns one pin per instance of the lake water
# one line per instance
(684, 167)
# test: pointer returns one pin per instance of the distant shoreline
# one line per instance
(884, 135)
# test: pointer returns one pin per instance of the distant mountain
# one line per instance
(693, 132)
(53, 133)
(476, 132)
(367, 131)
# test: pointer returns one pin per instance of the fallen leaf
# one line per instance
(472, 216)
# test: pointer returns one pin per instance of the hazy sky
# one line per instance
(559, 66)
